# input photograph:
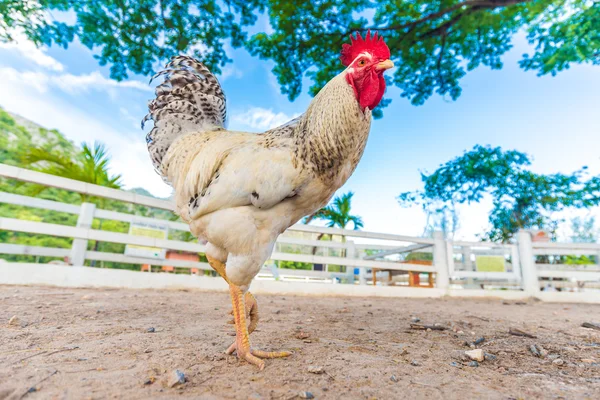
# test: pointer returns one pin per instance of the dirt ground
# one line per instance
(98, 344)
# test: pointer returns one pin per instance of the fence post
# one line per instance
(528, 269)
(350, 253)
(466, 256)
(362, 275)
(85, 220)
(440, 261)
(450, 258)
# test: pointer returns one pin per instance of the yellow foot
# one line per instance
(242, 341)
(254, 357)
(260, 353)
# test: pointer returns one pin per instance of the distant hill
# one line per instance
(17, 132)
(144, 192)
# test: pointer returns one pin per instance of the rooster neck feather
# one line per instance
(331, 137)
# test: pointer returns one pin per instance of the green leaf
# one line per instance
(434, 43)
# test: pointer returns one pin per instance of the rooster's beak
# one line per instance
(387, 64)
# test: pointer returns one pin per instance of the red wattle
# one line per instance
(370, 91)
(379, 93)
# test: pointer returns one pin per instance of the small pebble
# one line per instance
(475, 355)
(393, 378)
(151, 330)
(538, 351)
(459, 355)
(474, 364)
(415, 363)
(479, 341)
(455, 364)
(176, 378)
(316, 370)
(558, 361)
(302, 335)
(490, 357)
(14, 321)
(306, 395)
(415, 320)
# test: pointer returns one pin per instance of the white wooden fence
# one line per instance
(453, 263)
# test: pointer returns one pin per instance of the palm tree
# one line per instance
(337, 214)
(90, 166)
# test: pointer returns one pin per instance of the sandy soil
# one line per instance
(80, 343)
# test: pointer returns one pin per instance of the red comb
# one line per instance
(374, 45)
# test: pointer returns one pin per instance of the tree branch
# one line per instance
(439, 60)
(471, 5)
(443, 28)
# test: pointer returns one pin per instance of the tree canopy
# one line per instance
(433, 42)
(522, 199)
(584, 230)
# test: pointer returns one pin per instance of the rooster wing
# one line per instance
(210, 167)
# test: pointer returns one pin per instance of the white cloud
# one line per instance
(75, 83)
(230, 71)
(69, 83)
(31, 52)
(127, 146)
(135, 120)
(262, 118)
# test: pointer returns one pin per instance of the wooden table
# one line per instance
(413, 277)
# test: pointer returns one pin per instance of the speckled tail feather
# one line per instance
(190, 99)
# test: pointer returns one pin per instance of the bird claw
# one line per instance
(254, 357)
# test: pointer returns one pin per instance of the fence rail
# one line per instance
(456, 265)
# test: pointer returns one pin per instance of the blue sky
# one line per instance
(554, 119)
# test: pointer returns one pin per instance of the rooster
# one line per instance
(239, 191)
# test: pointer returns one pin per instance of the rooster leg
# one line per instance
(251, 304)
(251, 313)
(242, 341)
(248, 303)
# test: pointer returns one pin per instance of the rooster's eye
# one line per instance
(362, 63)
